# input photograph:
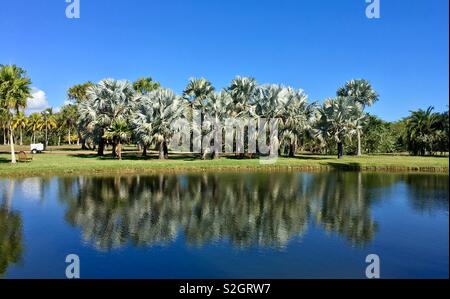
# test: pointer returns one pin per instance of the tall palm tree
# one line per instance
(49, 123)
(69, 117)
(198, 92)
(154, 116)
(421, 130)
(20, 121)
(14, 91)
(60, 126)
(297, 118)
(271, 100)
(35, 124)
(362, 93)
(78, 94)
(335, 119)
(108, 101)
(217, 110)
(4, 121)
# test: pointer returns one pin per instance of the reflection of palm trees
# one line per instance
(247, 210)
(10, 231)
(428, 193)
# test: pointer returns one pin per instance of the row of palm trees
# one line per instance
(114, 112)
(39, 126)
(118, 111)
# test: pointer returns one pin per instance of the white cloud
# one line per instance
(38, 101)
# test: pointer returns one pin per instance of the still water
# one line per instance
(226, 225)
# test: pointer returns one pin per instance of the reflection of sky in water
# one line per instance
(31, 189)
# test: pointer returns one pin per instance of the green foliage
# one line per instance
(145, 85)
(378, 136)
(14, 91)
(78, 92)
(337, 120)
(425, 132)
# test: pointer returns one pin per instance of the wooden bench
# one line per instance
(23, 157)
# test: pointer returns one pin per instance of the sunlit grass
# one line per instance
(86, 162)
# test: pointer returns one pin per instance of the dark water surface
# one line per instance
(226, 225)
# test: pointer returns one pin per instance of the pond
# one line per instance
(226, 225)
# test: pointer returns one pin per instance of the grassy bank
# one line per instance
(72, 161)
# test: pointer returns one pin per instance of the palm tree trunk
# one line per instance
(21, 139)
(59, 140)
(5, 142)
(114, 149)
(292, 149)
(358, 135)
(101, 145)
(215, 154)
(82, 139)
(68, 137)
(340, 147)
(11, 142)
(119, 150)
(144, 151)
(166, 150)
(162, 155)
(46, 136)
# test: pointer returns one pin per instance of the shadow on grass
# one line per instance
(139, 157)
(345, 166)
(133, 156)
(4, 160)
(307, 157)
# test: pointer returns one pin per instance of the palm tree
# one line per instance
(77, 93)
(242, 90)
(14, 91)
(145, 85)
(197, 92)
(4, 121)
(69, 116)
(297, 118)
(117, 133)
(20, 121)
(48, 124)
(60, 126)
(421, 130)
(108, 101)
(362, 93)
(271, 101)
(217, 110)
(154, 116)
(35, 124)
(335, 119)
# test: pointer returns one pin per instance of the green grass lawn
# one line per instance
(72, 161)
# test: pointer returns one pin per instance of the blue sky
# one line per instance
(315, 45)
